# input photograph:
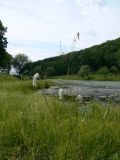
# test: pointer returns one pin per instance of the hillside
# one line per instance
(106, 54)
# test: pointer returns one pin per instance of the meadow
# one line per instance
(40, 127)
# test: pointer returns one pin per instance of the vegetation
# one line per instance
(85, 71)
(101, 60)
(5, 58)
(106, 55)
(19, 61)
(34, 126)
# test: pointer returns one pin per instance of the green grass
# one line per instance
(36, 127)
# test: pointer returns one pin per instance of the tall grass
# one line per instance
(36, 127)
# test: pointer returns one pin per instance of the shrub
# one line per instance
(114, 69)
(85, 71)
(104, 70)
(50, 71)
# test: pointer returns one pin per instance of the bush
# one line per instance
(85, 71)
(114, 70)
(50, 71)
(104, 70)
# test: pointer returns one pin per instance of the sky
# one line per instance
(45, 28)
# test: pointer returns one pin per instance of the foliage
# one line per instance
(5, 58)
(84, 71)
(50, 71)
(118, 58)
(7, 78)
(19, 61)
(3, 39)
(103, 70)
(114, 70)
(41, 127)
(106, 54)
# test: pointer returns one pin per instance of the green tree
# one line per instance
(7, 61)
(118, 58)
(50, 71)
(104, 70)
(106, 54)
(114, 69)
(19, 61)
(84, 71)
(3, 45)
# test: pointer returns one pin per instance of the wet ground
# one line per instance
(88, 89)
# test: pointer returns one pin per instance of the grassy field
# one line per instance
(38, 127)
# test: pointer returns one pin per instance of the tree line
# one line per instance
(101, 58)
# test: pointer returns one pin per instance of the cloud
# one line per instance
(36, 27)
(91, 33)
(38, 44)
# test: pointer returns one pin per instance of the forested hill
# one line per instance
(106, 54)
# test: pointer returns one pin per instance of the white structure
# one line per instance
(79, 98)
(35, 77)
(61, 93)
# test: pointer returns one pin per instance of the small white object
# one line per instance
(79, 98)
(61, 93)
(35, 77)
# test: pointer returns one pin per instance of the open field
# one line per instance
(38, 127)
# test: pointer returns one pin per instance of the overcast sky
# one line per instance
(36, 27)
